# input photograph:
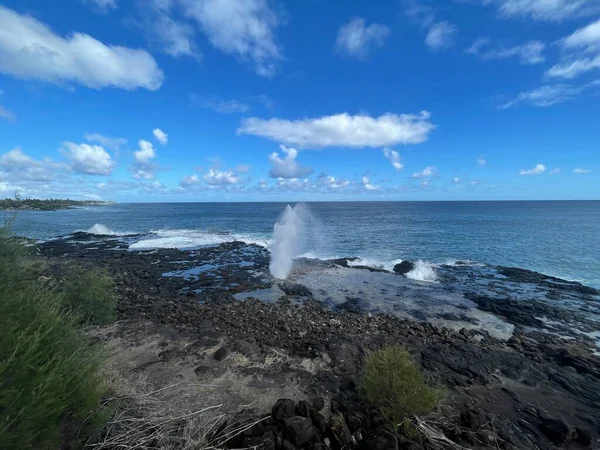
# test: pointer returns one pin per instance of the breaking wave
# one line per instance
(184, 238)
(374, 263)
(423, 271)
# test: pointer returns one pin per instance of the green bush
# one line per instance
(50, 387)
(90, 294)
(392, 382)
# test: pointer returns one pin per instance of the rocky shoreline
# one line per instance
(538, 389)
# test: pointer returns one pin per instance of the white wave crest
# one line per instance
(184, 238)
(423, 271)
(376, 264)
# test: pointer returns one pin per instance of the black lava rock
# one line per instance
(558, 431)
(382, 440)
(283, 409)
(221, 354)
(294, 289)
(404, 267)
(300, 430)
(303, 408)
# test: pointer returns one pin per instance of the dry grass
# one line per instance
(151, 419)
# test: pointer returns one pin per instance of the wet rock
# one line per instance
(283, 409)
(382, 440)
(221, 354)
(300, 430)
(558, 431)
(404, 267)
(295, 290)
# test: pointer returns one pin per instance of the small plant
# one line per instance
(392, 382)
(90, 294)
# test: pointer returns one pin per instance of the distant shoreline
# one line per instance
(47, 205)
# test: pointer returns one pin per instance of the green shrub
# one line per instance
(90, 294)
(50, 387)
(392, 382)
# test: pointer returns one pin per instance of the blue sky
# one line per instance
(243, 100)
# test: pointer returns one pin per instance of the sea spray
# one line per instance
(423, 271)
(289, 234)
(101, 230)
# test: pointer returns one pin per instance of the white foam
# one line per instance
(423, 271)
(185, 238)
(376, 264)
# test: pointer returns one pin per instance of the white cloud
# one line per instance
(554, 171)
(242, 168)
(368, 186)
(441, 35)
(173, 36)
(426, 172)
(104, 5)
(356, 39)
(189, 181)
(6, 114)
(586, 38)
(528, 53)
(30, 50)
(481, 161)
(245, 29)
(143, 169)
(456, 180)
(581, 53)
(21, 167)
(216, 177)
(161, 136)
(108, 142)
(88, 159)
(580, 171)
(537, 170)
(287, 167)
(294, 184)
(394, 158)
(547, 10)
(343, 130)
(219, 105)
(145, 153)
(331, 182)
(573, 69)
(549, 95)
(16, 158)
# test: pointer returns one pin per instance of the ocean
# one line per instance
(558, 238)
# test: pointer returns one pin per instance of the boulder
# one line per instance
(558, 431)
(300, 430)
(283, 409)
(382, 440)
(404, 267)
(221, 354)
(340, 429)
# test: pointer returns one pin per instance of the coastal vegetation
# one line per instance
(392, 382)
(51, 387)
(52, 204)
